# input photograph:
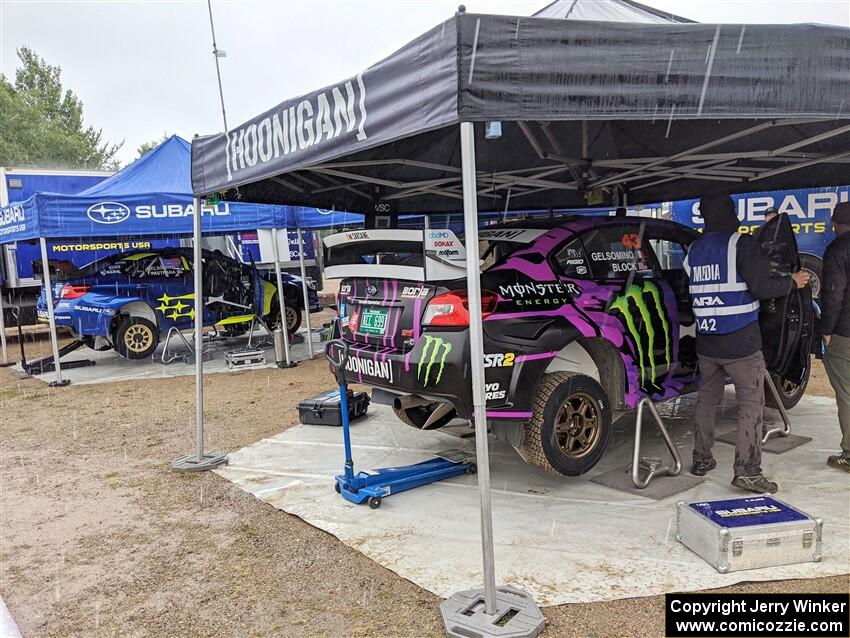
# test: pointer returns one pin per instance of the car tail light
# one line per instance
(452, 308)
(72, 292)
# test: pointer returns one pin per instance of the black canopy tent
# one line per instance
(589, 111)
(595, 105)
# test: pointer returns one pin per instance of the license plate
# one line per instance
(373, 321)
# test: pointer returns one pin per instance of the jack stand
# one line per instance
(194, 463)
(269, 340)
(47, 364)
(186, 358)
(785, 430)
(516, 615)
(652, 466)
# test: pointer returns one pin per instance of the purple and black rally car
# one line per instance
(582, 317)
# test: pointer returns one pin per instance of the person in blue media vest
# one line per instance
(729, 274)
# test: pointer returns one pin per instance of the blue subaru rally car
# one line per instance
(126, 301)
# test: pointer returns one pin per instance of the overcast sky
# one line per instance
(142, 68)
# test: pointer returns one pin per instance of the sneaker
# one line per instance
(758, 484)
(839, 462)
(701, 468)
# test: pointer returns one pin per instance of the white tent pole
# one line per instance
(476, 346)
(304, 290)
(199, 331)
(48, 296)
(199, 461)
(280, 299)
(5, 353)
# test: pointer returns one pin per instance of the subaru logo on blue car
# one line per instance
(108, 213)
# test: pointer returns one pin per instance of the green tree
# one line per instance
(149, 146)
(40, 124)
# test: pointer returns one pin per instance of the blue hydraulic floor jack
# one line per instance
(373, 485)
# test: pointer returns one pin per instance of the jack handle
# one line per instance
(338, 366)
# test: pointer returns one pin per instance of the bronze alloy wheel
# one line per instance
(291, 317)
(577, 425)
(138, 338)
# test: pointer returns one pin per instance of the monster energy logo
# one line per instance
(434, 351)
(640, 319)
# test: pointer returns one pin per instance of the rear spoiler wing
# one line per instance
(415, 255)
(60, 269)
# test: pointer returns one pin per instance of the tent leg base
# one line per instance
(284, 364)
(59, 384)
(517, 615)
(191, 463)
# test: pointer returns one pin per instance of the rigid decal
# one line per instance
(639, 319)
(434, 353)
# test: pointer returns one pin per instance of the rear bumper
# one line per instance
(436, 368)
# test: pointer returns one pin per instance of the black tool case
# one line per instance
(325, 410)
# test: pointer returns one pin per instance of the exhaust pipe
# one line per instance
(423, 414)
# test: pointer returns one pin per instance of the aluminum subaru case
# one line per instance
(748, 533)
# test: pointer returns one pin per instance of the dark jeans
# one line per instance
(747, 374)
(837, 364)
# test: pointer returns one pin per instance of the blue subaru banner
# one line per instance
(151, 196)
(809, 209)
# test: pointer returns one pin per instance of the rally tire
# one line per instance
(813, 265)
(789, 393)
(293, 319)
(571, 426)
(135, 337)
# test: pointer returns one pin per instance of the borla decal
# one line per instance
(433, 360)
(314, 120)
(642, 312)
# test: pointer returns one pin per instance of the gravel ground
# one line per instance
(99, 538)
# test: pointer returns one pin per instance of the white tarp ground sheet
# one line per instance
(562, 540)
(111, 367)
(8, 628)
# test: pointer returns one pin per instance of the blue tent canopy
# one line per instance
(151, 196)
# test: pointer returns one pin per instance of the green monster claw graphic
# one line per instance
(437, 348)
(637, 295)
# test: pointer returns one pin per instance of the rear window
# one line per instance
(494, 253)
(397, 253)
